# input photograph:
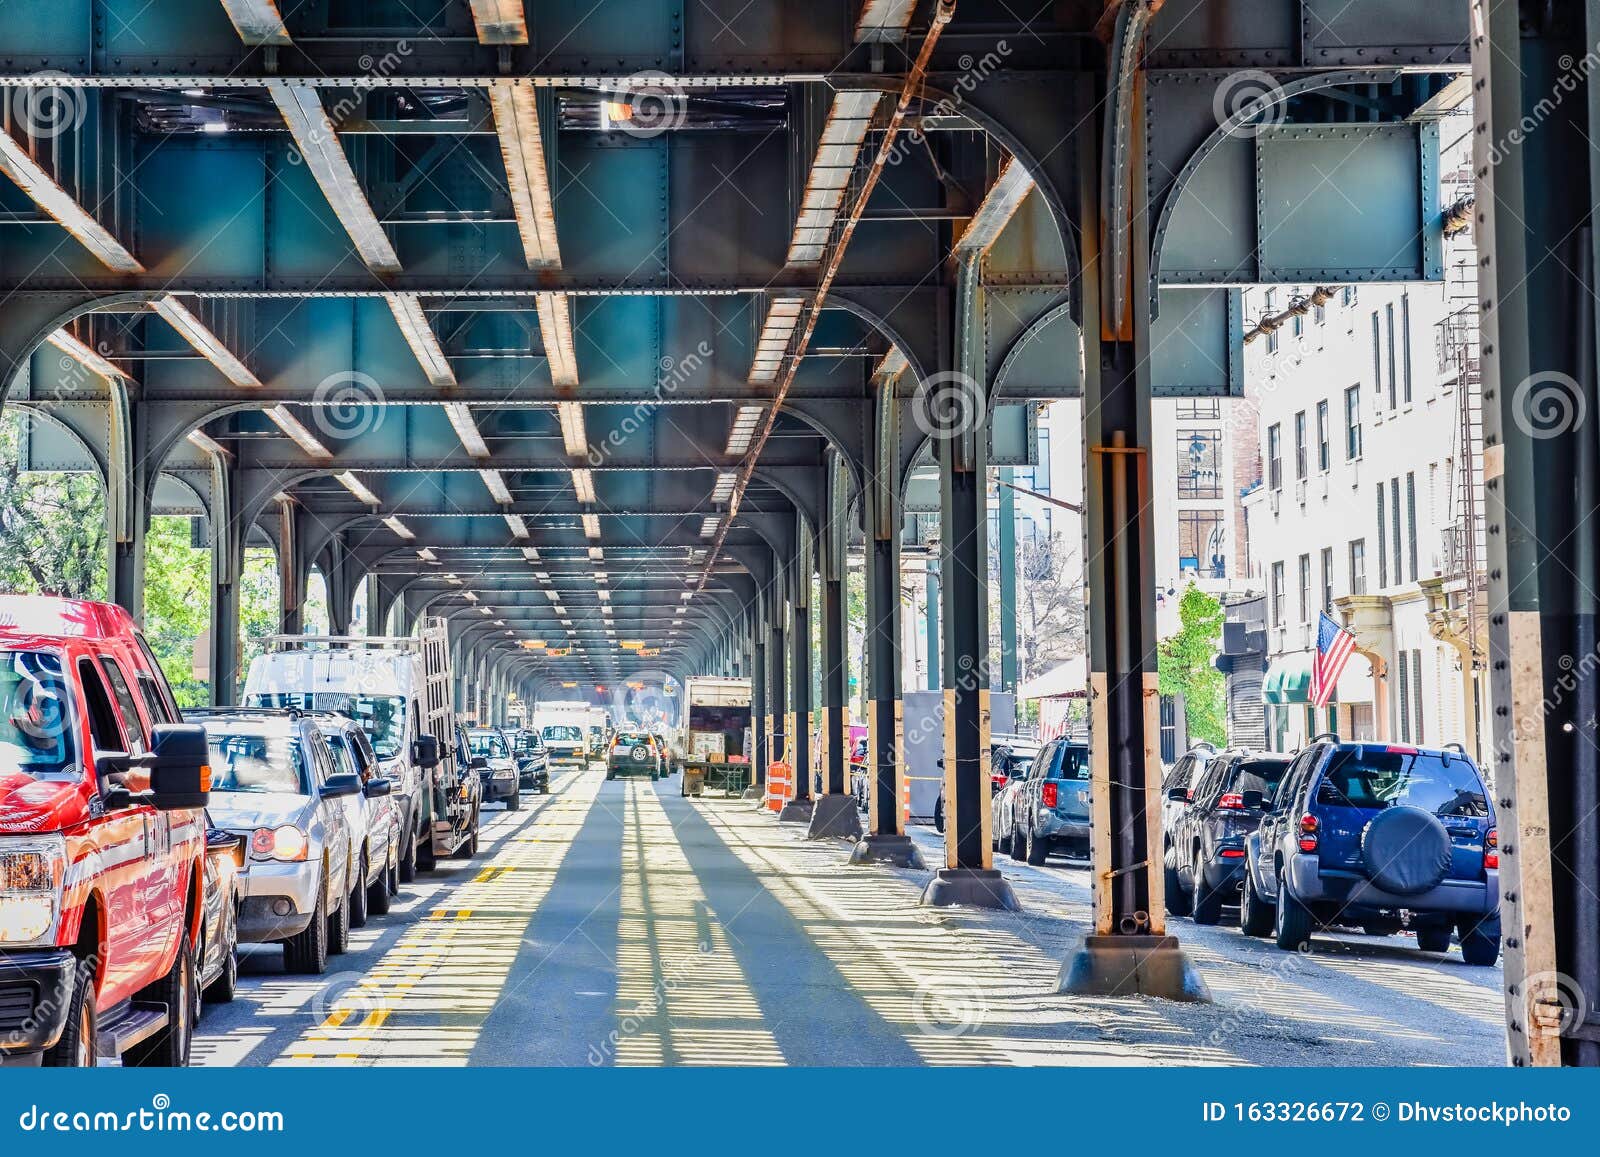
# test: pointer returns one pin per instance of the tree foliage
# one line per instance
(1187, 666)
(52, 525)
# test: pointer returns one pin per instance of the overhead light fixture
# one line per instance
(205, 343)
(591, 525)
(500, 21)
(41, 188)
(400, 528)
(555, 332)
(597, 553)
(497, 486)
(777, 330)
(460, 415)
(573, 437)
(426, 555)
(709, 524)
(837, 150)
(257, 21)
(519, 528)
(686, 595)
(419, 335)
(355, 486)
(745, 419)
(452, 579)
(553, 595)
(601, 576)
(470, 596)
(206, 442)
(583, 483)
(485, 611)
(724, 485)
(89, 359)
(603, 595)
(680, 611)
(531, 553)
(297, 431)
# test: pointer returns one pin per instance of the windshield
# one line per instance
(1074, 763)
(36, 738)
(1260, 775)
(1374, 779)
(1013, 763)
(382, 717)
(256, 763)
(487, 743)
(563, 734)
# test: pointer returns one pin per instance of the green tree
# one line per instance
(177, 604)
(1187, 666)
(52, 525)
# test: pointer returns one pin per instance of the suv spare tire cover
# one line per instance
(1406, 850)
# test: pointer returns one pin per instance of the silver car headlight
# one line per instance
(33, 870)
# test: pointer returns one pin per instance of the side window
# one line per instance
(104, 731)
(1045, 760)
(321, 762)
(152, 684)
(1294, 780)
(339, 748)
(1205, 788)
(1179, 775)
(1073, 764)
(132, 724)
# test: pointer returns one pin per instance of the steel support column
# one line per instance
(227, 563)
(1006, 550)
(798, 727)
(835, 813)
(128, 487)
(760, 719)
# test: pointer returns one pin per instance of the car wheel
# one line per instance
(1255, 915)
(378, 892)
(514, 802)
(1017, 848)
(226, 986)
(1177, 899)
(1038, 850)
(306, 953)
(938, 815)
(1207, 900)
(1433, 937)
(1291, 922)
(358, 897)
(610, 774)
(427, 858)
(408, 860)
(169, 1048)
(339, 927)
(1480, 940)
(75, 1048)
(995, 840)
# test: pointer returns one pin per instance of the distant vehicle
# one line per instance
(102, 842)
(400, 690)
(275, 782)
(633, 753)
(373, 817)
(584, 718)
(500, 774)
(1047, 809)
(1204, 857)
(1382, 836)
(216, 960)
(1181, 775)
(714, 729)
(565, 745)
(1010, 756)
(860, 773)
(533, 761)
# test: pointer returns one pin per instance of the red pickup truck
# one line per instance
(101, 841)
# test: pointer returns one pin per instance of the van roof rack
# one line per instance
(346, 642)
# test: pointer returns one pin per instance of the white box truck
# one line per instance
(399, 690)
(714, 736)
(573, 732)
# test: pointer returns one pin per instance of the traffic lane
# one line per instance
(1349, 991)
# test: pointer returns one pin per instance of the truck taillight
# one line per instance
(1308, 833)
(1232, 801)
(1491, 854)
(1047, 795)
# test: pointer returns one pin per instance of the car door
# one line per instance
(330, 813)
(1026, 806)
(354, 808)
(1274, 824)
(1191, 837)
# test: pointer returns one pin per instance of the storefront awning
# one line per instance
(1288, 680)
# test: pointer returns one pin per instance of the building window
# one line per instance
(1300, 444)
(1202, 546)
(1305, 588)
(1402, 662)
(1411, 523)
(1199, 464)
(1199, 409)
(1299, 325)
(1416, 695)
(1327, 579)
(1275, 456)
(1272, 334)
(1405, 349)
(1388, 311)
(1396, 533)
(1352, 423)
(1377, 353)
(1383, 552)
(1324, 450)
(1358, 566)
(1319, 314)
(1347, 296)
(1277, 594)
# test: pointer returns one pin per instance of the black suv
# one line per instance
(1205, 848)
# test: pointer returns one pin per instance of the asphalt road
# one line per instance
(616, 923)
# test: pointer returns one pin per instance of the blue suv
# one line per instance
(1378, 836)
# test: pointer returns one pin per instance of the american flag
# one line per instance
(1334, 645)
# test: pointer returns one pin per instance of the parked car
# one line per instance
(533, 761)
(633, 753)
(274, 781)
(1204, 857)
(1380, 836)
(565, 744)
(102, 842)
(860, 774)
(468, 791)
(375, 822)
(1181, 776)
(1009, 759)
(502, 780)
(1047, 809)
(216, 960)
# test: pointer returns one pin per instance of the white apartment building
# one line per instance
(1362, 510)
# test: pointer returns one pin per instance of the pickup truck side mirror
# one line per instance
(1178, 795)
(425, 751)
(376, 788)
(1253, 800)
(180, 767)
(341, 785)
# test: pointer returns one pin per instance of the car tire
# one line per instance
(427, 857)
(610, 774)
(654, 776)
(169, 1048)
(1480, 940)
(1291, 926)
(1016, 847)
(1433, 937)
(995, 840)
(1177, 899)
(1255, 914)
(408, 860)
(1037, 850)
(938, 815)
(358, 896)
(339, 927)
(226, 986)
(378, 892)
(1207, 900)
(306, 953)
(544, 788)
(514, 803)
(76, 1047)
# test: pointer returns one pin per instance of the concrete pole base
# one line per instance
(976, 887)
(796, 811)
(754, 792)
(898, 851)
(835, 816)
(1133, 966)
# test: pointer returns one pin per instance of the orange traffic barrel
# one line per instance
(777, 785)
